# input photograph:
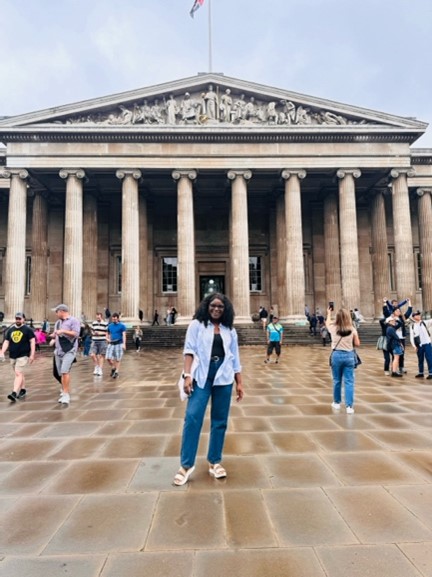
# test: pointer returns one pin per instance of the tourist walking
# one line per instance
(211, 366)
(344, 338)
(99, 343)
(21, 343)
(116, 336)
(66, 333)
(274, 339)
(138, 335)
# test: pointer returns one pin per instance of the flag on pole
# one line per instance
(195, 7)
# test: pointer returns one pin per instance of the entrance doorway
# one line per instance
(211, 284)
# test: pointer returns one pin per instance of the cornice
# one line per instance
(267, 134)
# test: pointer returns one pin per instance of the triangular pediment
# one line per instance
(209, 100)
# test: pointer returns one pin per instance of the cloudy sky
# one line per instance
(370, 53)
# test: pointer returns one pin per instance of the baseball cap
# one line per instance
(389, 319)
(61, 307)
(19, 315)
(415, 313)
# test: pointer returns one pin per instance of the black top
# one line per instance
(217, 348)
(19, 341)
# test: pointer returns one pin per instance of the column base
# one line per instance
(183, 321)
(243, 320)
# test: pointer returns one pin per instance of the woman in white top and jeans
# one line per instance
(344, 338)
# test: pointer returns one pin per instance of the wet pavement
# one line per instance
(86, 490)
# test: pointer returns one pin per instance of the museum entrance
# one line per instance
(211, 284)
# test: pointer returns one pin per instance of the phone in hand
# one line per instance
(331, 305)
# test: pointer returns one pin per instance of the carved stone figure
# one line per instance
(156, 113)
(188, 110)
(250, 110)
(211, 100)
(226, 106)
(272, 115)
(238, 112)
(172, 110)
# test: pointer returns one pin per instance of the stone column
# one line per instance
(425, 232)
(73, 241)
(16, 243)
(348, 238)
(130, 245)
(380, 269)
(39, 267)
(281, 258)
(404, 260)
(144, 258)
(333, 282)
(186, 281)
(240, 244)
(295, 280)
(90, 258)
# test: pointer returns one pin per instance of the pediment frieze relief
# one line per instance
(214, 107)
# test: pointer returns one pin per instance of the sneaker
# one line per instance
(12, 397)
(429, 377)
(115, 375)
(404, 371)
(100, 371)
(96, 370)
(387, 373)
(419, 376)
(60, 399)
(22, 393)
(396, 375)
(350, 410)
(335, 406)
(113, 372)
(266, 361)
(65, 399)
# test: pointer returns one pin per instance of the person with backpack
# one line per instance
(274, 339)
(421, 341)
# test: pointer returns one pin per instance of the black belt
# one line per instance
(215, 359)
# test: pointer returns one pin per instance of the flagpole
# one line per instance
(210, 36)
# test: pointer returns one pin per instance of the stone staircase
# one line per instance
(173, 336)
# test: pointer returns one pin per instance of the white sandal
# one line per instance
(217, 471)
(182, 476)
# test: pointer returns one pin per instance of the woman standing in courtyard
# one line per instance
(211, 366)
(344, 338)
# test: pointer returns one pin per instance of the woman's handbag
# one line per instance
(333, 350)
(357, 359)
(382, 343)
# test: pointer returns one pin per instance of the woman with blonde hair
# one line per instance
(344, 338)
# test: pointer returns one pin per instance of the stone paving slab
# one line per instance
(86, 490)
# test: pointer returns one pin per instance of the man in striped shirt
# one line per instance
(99, 343)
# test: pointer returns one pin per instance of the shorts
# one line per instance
(64, 363)
(98, 348)
(19, 364)
(273, 345)
(114, 352)
(398, 350)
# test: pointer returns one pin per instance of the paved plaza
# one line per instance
(86, 489)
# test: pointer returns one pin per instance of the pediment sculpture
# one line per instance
(213, 107)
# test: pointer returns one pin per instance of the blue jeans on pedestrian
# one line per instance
(343, 372)
(424, 352)
(220, 405)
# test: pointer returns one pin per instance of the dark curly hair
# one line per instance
(202, 312)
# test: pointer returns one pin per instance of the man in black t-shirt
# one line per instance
(21, 343)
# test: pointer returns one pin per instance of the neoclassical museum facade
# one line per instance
(152, 198)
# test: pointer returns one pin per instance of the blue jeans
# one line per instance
(194, 417)
(424, 352)
(343, 370)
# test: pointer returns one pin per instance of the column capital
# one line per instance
(343, 172)
(396, 172)
(287, 173)
(9, 172)
(424, 190)
(135, 173)
(191, 174)
(233, 174)
(66, 172)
